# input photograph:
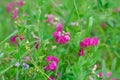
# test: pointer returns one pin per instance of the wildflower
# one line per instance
(52, 58)
(26, 66)
(9, 7)
(27, 58)
(94, 41)
(15, 13)
(113, 79)
(52, 66)
(20, 3)
(51, 78)
(50, 18)
(100, 74)
(13, 39)
(17, 64)
(81, 52)
(52, 63)
(59, 27)
(109, 74)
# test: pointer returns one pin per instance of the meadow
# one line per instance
(59, 39)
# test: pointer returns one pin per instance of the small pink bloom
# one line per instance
(52, 66)
(113, 79)
(109, 74)
(59, 27)
(51, 78)
(86, 41)
(82, 45)
(81, 52)
(15, 13)
(36, 45)
(94, 41)
(13, 39)
(51, 58)
(100, 74)
(21, 3)
(27, 58)
(9, 7)
(50, 18)
(62, 40)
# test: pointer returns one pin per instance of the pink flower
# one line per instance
(15, 13)
(27, 58)
(109, 74)
(13, 39)
(113, 79)
(50, 18)
(81, 52)
(52, 66)
(59, 27)
(86, 41)
(58, 75)
(9, 7)
(116, 10)
(52, 63)
(20, 3)
(51, 78)
(100, 74)
(52, 58)
(94, 41)
(103, 24)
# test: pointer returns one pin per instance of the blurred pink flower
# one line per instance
(81, 52)
(113, 79)
(86, 41)
(52, 63)
(52, 58)
(50, 18)
(13, 39)
(100, 74)
(58, 75)
(15, 13)
(59, 27)
(27, 58)
(109, 74)
(94, 41)
(20, 3)
(9, 7)
(51, 78)
(116, 10)
(103, 24)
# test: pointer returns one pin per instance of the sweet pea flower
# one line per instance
(9, 7)
(109, 74)
(20, 3)
(50, 18)
(51, 78)
(15, 13)
(81, 52)
(100, 74)
(13, 39)
(53, 61)
(59, 27)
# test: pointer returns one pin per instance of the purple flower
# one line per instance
(26, 66)
(50, 18)
(13, 39)
(17, 64)
(109, 74)
(27, 58)
(52, 58)
(94, 41)
(9, 7)
(59, 27)
(36, 45)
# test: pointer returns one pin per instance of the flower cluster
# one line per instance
(25, 65)
(86, 43)
(53, 61)
(60, 36)
(10, 7)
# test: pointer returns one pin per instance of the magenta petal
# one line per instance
(81, 52)
(109, 74)
(59, 27)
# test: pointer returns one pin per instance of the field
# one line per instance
(60, 40)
